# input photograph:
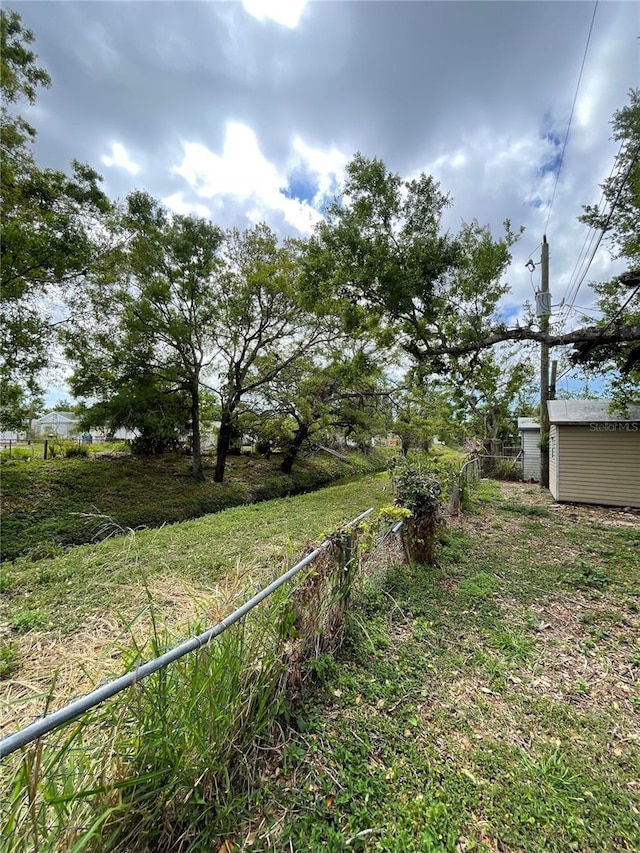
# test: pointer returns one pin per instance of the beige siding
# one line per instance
(598, 466)
(553, 458)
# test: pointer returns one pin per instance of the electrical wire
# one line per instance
(606, 225)
(579, 271)
(582, 257)
(581, 309)
(575, 98)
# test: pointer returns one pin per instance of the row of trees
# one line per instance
(379, 321)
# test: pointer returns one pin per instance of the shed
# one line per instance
(594, 454)
(529, 429)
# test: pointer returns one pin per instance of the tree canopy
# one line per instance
(619, 299)
(48, 229)
(152, 320)
(382, 257)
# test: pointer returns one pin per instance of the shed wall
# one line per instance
(530, 454)
(600, 466)
(553, 461)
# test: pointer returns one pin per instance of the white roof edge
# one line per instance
(588, 411)
(528, 423)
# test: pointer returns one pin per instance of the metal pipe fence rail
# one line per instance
(514, 460)
(75, 709)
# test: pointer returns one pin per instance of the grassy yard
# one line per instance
(65, 618)
(53, 503)
(488, 704)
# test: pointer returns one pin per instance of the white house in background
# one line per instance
(58, 424)
(8, 435)
(530, 441)
(594, 455)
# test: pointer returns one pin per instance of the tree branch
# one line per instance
(589, 334)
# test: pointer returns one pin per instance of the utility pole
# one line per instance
(544, 366)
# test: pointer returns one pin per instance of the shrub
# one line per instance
(444, 468)
(17, 453)
(9, 658)
(76, 451)
(505, 469)
(420, 493)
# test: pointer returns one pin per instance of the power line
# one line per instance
(575, 98)
(573, 286)
(570, 296)
(605, 228)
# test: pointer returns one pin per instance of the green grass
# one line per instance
(484, 704)
(487, 703)
(50, 504)
(171, 763)
(112, 576)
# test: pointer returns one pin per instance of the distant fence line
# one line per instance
(75, 709)
(476, 468)
(468, 474)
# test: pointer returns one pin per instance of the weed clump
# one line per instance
(9, 657)
(420, 493)
(589, 577)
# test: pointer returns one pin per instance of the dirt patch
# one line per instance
(481, 714)
(535, 496)
(584, 652)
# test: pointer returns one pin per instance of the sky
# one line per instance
(248, 111)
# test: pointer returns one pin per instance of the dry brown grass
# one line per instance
(56, 667)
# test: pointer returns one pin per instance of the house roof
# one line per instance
(56, 418)
(528, 423)
(588, 411)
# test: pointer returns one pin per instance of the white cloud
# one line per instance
(242, 173)
(119, 157)
(284, 12)
(178, 205)
(328, 166)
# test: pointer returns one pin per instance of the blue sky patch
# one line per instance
(553, 162)
(302, 185)
(552, 165)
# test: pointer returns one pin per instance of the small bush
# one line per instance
(76, 451)
(504, 469)
(17, 453)
(420, 493)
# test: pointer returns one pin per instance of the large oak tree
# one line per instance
(382, 256)
(152, 316)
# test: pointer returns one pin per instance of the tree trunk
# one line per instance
(196, 449)
(223, 444)
(292, 451)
